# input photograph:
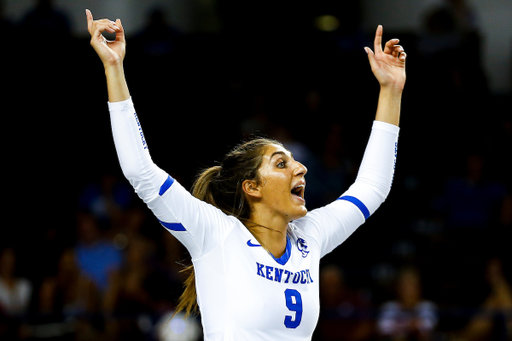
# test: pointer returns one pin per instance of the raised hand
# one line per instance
(388, 65)
(110, 52)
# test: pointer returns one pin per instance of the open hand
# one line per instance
(388, 65)
(110, 52)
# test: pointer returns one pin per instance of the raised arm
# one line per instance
(334, 223)
(189, 219)
(388, 66)
(111, 54)
(130, 144)
(131, 147)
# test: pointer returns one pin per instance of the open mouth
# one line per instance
(298, 191)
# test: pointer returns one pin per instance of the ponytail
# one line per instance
(201, 189)
(221, 186)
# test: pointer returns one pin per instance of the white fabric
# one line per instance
(243, 292)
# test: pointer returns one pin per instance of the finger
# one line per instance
(120, 31)
(98, 27)
(377, 43)
(105, 25)
(397, 49)
(88, 14)
(390, 45)
(402, 57)
(109, 24)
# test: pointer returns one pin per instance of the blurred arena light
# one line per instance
(177, 328)
(326, 23)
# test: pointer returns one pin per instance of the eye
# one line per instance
(281, 164)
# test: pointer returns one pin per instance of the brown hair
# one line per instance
(221, 186)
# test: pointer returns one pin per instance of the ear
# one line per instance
(251, 188)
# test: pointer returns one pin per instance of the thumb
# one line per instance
(371, 56)
(89, 20)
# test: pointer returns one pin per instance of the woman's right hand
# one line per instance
(111, 53)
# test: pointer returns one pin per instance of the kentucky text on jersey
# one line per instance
(394, 164)
(143, 140)
(283, 276)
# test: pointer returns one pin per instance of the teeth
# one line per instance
(298, 190)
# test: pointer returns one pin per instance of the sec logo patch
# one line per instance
(303, 247)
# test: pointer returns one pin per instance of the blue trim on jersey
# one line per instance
(359, 205)
(166, 185)
(288, 252)
(173, 226)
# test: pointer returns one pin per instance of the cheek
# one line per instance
(275, 189)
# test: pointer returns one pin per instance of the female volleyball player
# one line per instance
(255, 248)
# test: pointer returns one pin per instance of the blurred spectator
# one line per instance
(132, 222)
(441, 35)
(97, 257)
(15, 292)
(67, 305)
(409, 317)
(450, 47)
(44, 21)
(126, 292)
(332, 172)
(130, 226)
(127, 297)
(344, 314)
(157, 38)
(465, 17)
(494, 322)
(298, 149)
(446, 26)
(471, 201)
(68, 292)
(15, 296)
(257, 121)
(173, 255)
(107, 200)
(256, 61)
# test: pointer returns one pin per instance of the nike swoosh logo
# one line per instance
(251, 244)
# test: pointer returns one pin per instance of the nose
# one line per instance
(300, 169)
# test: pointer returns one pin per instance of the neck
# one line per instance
(271, 239)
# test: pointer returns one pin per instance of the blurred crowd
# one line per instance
(87, 261)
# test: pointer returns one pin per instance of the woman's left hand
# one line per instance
(388, 65)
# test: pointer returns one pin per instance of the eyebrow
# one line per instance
(279, 152)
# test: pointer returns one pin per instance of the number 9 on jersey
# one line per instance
(294, 304)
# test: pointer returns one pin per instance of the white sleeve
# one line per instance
(132, 151)
(196, 224)
(333, 224)
(377, 170)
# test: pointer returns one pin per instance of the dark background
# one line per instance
(198, 95)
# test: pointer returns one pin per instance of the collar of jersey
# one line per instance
(287, 253)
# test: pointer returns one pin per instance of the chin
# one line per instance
(300, 213)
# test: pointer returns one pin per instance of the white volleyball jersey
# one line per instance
(243, 292)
